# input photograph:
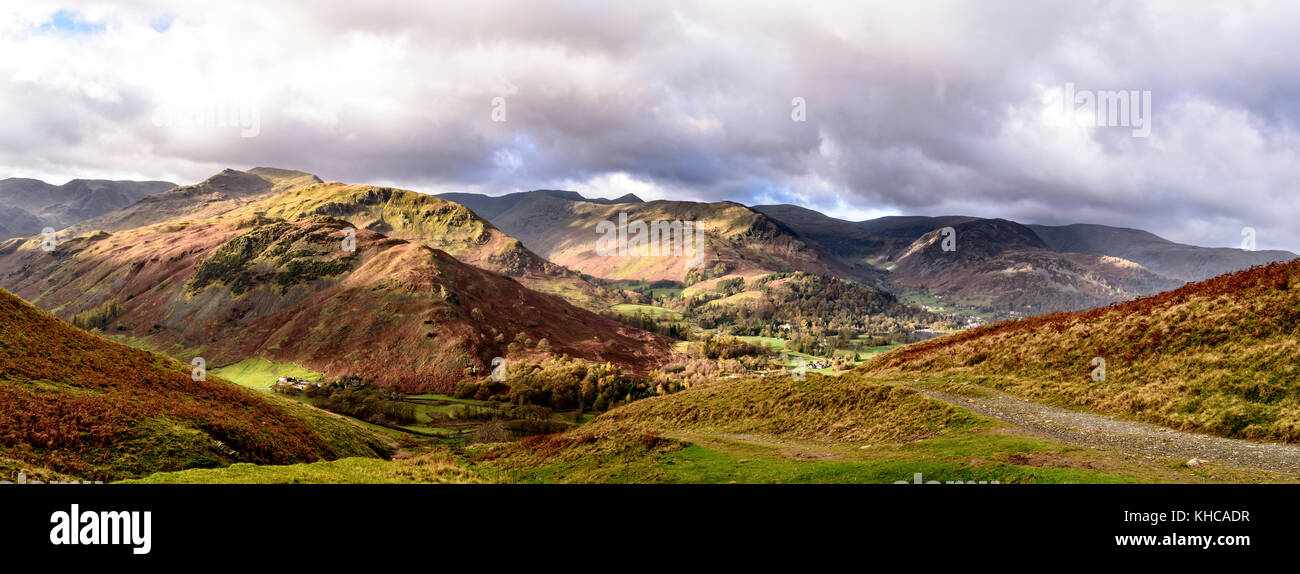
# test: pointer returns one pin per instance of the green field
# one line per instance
(722, 460)
(651, 310)
(259, 373)
(778, 345)
(775, 343)
(737, 299)
(424, 469)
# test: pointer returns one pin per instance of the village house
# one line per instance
(300, 384)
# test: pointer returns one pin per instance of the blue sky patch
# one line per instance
(67, 22)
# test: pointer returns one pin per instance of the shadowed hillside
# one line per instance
(1182, 262)
(1004, 266)
(28, 205)
(489, 206)
(75, 404)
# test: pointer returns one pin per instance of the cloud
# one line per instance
(926, 107)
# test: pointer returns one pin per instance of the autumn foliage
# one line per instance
(79, 404)
(1219, 356)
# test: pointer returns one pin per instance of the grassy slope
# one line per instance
(774, 430)
(1216, 357)
(80, 405)
(651, 310)
(259, 373)
(425, 469)
(821, 430)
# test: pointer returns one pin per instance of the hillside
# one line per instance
(851, 243)
(736, 240)
(490, 206)
(396, 312)
(1004, 266)
(846, 429)
(434, 222)
(1216, 356)
(818, 408)
(75, 404)
(214, 196)
(30, 205)
(1176, 260)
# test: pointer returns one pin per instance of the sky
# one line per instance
(856, 109)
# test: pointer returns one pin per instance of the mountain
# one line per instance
(75, 405)
(30, 205)
(1176, 260)
(489, 206)
(274, 281)
(217, 195)
(1004, 266)
(850, 242)
(910, 227)
(427, 219)
(734, 240)
(1216, 356)
(437, 223)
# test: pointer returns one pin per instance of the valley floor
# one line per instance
(1006, 440)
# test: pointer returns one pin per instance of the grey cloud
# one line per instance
(927, 107)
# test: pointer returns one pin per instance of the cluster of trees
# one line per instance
(356, 398)
(672, 328)
(727, 348)
(645, 290)
(799, 303)
(718, 269)
(99, 317)
(561, 383)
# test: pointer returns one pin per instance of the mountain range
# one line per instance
(29, 205)
(997, 266)
(248, 264)
(419, 293)
(252, 264)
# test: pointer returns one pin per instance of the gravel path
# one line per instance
(1128, 436)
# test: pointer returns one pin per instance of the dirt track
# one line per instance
(1133, 437)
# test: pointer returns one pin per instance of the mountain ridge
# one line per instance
(30, 205)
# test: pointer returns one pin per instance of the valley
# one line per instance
(783, 346)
